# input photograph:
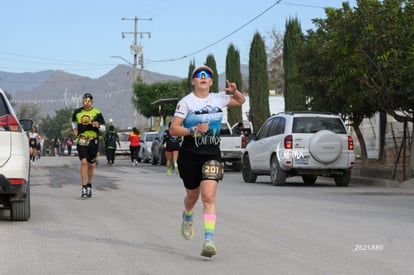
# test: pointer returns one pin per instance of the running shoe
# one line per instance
(84, 194)
(187, 229)
(209, 249)
(169, 171)
(89, 191)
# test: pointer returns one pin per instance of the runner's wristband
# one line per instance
(193, 130)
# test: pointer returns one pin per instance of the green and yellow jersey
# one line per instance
(84, 119)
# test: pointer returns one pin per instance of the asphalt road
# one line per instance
(131, 226)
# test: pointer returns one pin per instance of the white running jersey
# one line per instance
(195, 110)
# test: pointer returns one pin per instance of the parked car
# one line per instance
(307, 144)
(157, 150)
(14, 162)
(146, 141)
(123, 140)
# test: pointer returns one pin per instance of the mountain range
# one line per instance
(54, 90)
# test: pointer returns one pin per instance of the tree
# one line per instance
(31, 111)
(258, 82)
(275, 61)
(59, 125)
(292, 47)
(211, 62)
(329, 70)
(383, 60)
(233, 74)
(360, 61)
(149, 93)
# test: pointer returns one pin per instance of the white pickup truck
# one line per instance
(232, 145)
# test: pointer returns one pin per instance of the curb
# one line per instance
(373, 176)
(375, 182)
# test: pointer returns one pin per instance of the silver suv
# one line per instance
(307, 144)
(14, 162)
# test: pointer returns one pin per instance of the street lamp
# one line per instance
(134, 69)
(117, 56)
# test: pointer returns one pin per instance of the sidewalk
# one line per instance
(377, 176)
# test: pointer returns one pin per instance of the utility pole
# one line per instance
(135, 48)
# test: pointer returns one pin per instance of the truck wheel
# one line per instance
(277, 175)
(20, 210)
(248, 175)
(343, 180)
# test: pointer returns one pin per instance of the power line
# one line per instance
(92, 66)
(221, 39)
(303, 5)
(43, 60)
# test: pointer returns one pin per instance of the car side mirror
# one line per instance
(27, 124)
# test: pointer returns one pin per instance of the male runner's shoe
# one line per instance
(84, 194)
(89, 191)
(187, 229)
(209, 249)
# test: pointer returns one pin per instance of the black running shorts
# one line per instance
(89, 152)
(190, 167)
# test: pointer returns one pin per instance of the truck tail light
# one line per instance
(288, 142)
(243, 142)
(350, 143)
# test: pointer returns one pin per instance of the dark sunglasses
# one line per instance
(202, 73)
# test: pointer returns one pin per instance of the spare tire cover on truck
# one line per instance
(325, 146)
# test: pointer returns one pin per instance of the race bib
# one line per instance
(83, 141)
(212, 170)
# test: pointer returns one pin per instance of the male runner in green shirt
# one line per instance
(87, 122)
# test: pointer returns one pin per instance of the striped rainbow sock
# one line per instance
(188, 215)
(209, 225)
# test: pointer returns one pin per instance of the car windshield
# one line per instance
(150, 137)
(123, 137)
(312, 125)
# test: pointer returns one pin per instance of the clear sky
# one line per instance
(80, 36)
